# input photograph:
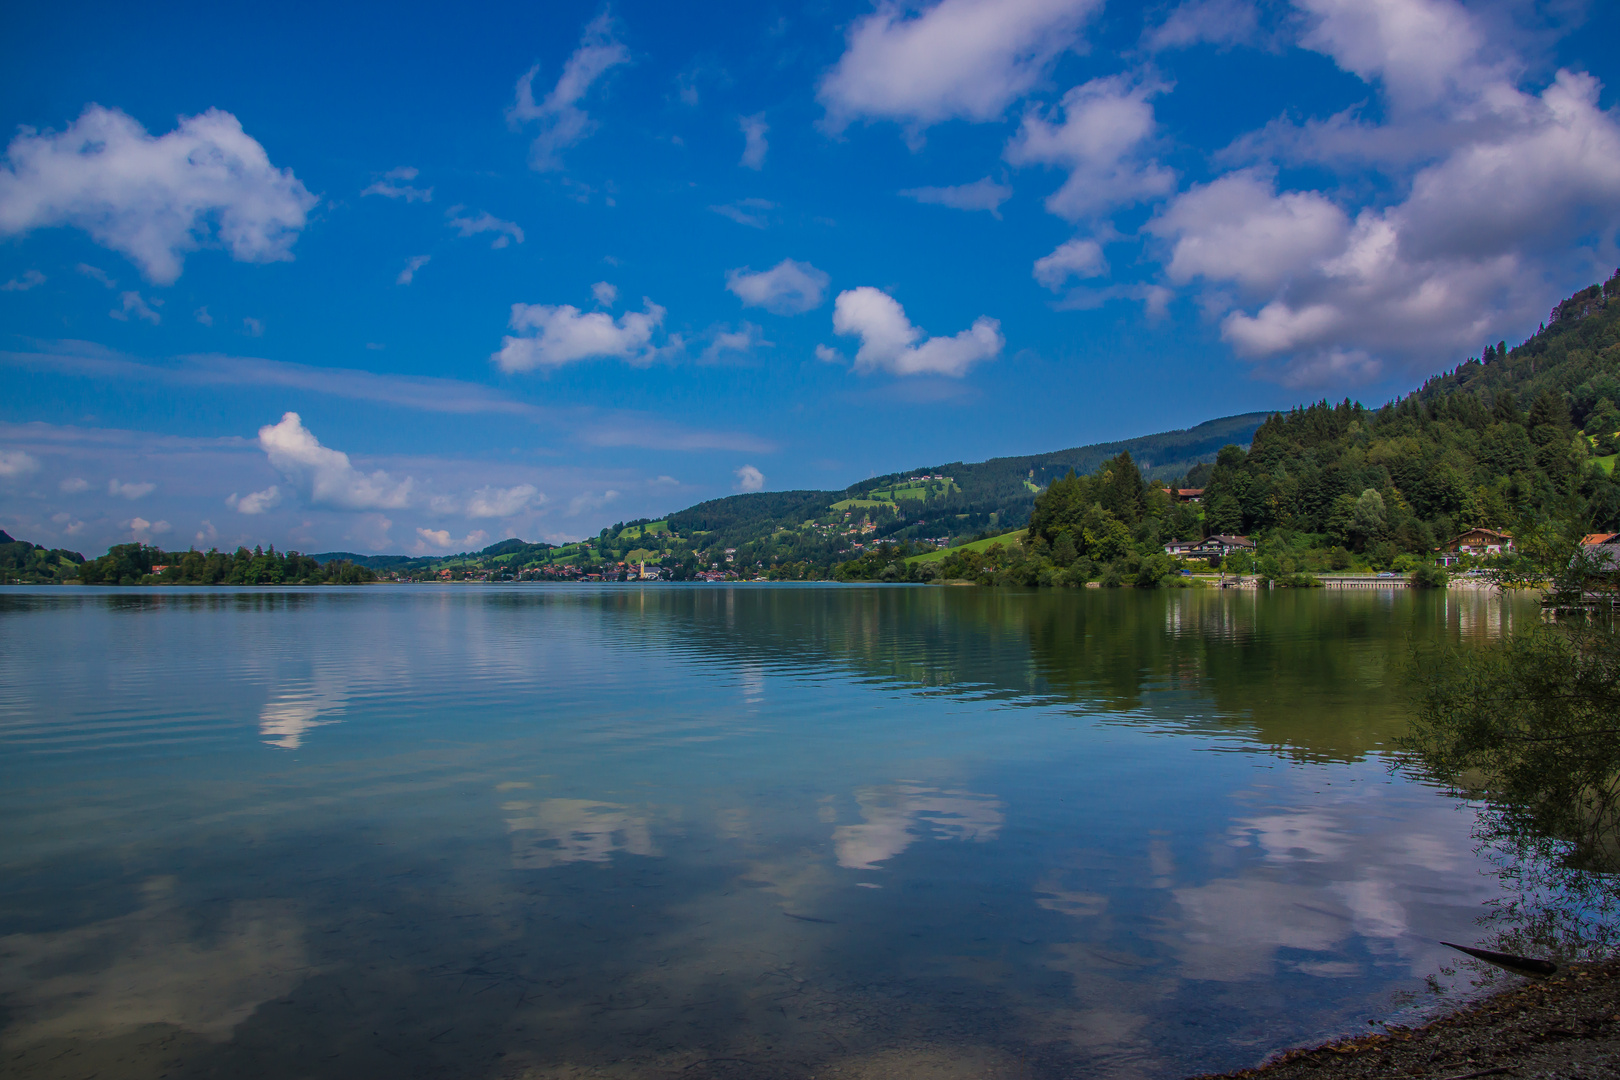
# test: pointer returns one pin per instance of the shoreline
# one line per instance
(1565, 1026)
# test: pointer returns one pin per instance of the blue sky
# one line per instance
(534, 269)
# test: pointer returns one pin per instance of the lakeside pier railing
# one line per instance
(1363, 581)
(1327, 581)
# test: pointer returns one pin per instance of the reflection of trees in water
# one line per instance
(1550, 908)
(1312, 674)
(1531, 724)
(1318, 675)
(188, 599)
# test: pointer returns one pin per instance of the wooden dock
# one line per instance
(1363, 581)
(1328, 581)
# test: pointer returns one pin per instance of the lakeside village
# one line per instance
(1217, 560)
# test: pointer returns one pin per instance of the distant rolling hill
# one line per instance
(994, 494)
(955, 500)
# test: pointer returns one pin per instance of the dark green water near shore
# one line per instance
(712, 831)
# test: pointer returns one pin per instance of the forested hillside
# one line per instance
(1531, 428)
(23, 563)
(1509, 440)
(139, 564)
(964, 499)
(504, 553)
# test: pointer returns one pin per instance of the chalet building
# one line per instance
(1604, 551)
(1475, 542)
(1191, 495)
(1605, 557)
(1221, 544)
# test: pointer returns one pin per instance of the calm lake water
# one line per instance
(546, 831)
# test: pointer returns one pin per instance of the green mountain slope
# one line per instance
(1516, 430)
(943, 502)
(23, 563)
(1516, 438)
(814, 530)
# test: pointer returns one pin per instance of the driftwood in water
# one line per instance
(1519, 965)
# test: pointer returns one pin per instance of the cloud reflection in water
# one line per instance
(898, 815)
(1332, 879)
(286, 717)
(552, 832)
(152, 966)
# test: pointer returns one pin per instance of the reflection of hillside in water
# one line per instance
(1312, 673)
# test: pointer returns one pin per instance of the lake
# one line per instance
(694, 831)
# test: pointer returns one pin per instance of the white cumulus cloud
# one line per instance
(412, 265)
(1104, 129)
(605, 293)
(562, 121)
(469, 225)
(741, 342)
(143, 531)
(788, 288)
(1519, 185)
(1079, 258)
(890, 343)
(134, 305)
(1217, 22)
(493, 502)
(395, 184)
(96, 273)
(326, 477)
(16, 463)
(549, 336)
(1421, 50)
(27, 281)
(983, 194)
(129, 491)
(1238, 230)
(441, 540)
(749, 478)
(255, 503)
(590, 500)
(754, 144)
(966, 59)
(154, 199)
(1546, 181)
(750, 212)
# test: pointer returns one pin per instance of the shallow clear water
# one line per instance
(708, 831)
